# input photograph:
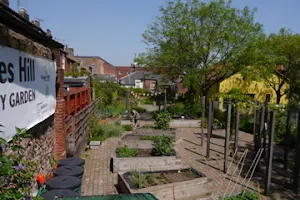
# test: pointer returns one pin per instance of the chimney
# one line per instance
(5, 2)
(36, 23)
(23, 12)
(70, 51)
(49, 34)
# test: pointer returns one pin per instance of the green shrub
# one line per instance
(138, 179)
(126, 152)
(220, 117)
(163, 146)
(280, 130)
(139, 109)
(16, 173)
(162, 120)
(193, 108)
(176, 109)
(127, 127)
(246, 196)
(246, 124)
(146, 101)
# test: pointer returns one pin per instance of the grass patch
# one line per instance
(127, 127)
(100, 132)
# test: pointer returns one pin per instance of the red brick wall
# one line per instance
(67, 65)
(109, 69)
(147, 84)
(124, 70)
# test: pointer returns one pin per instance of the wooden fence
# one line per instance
(76, 100)
(77, 129)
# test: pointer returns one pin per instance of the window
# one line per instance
(120, 73)
(152, 85)
(128, 73)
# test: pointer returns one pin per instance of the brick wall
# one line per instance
(122, 71)
(100, 66)
(109, 69)
(48, 140)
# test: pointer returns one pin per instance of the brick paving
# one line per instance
(97, 178)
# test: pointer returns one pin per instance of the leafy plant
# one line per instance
(139, 109)
(127, 127)
(141, 180)
(138, 179)
(219, 117)
(162, 120)
(163, 146)
(245, 196)
(126, 152)
(246, 123)
(16, 173)
(176, 109)
(192, 108)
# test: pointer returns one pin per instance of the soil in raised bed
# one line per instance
(131, 137)
(160, 178)
(138, 137)
(144, 153)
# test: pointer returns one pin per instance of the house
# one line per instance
(122, 71)
(258, 90)
(101, 66)
(71, 61)
(145, 80)
(85, 66)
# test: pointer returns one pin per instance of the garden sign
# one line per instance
(27, 90)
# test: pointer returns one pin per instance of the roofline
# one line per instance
(127, 75)
(17, 23)
(96, 57)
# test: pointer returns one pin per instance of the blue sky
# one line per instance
(112, 29)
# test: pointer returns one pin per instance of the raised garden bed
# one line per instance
(166, 184)
(144, 155)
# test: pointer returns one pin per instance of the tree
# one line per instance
(205, 42)
(276, 61)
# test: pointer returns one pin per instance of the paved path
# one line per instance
(97, 178)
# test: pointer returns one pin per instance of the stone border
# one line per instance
(185, 123)
(185, 189)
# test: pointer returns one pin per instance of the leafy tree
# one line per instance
(204, 42)
(277, 60)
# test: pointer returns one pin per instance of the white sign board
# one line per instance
(27, 90)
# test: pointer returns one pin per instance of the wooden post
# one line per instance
(297, 160)
(287, 139)
(237, 130)
(209, 128)
(254, 126)
(165, 101)
(127, 104)
(261, 126)
(270, 154)
(202, 121)
(266, 131)
(227, 133)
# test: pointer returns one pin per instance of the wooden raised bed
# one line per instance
(168, 184)
(144, 160)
